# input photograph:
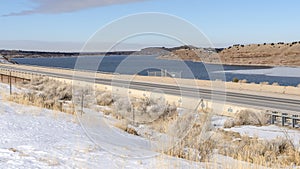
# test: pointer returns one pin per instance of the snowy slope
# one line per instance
(33, 137)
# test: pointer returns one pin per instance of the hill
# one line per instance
(272, 54)
(279, 54)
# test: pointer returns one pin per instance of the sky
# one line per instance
(66, 25)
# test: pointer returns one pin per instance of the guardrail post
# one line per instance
(273, 117)
(294, 120)
(283, 119)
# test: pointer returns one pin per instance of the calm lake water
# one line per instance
(142, 65)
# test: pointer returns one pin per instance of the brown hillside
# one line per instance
(263, 54)
(275, 54)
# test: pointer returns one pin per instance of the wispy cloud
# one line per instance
(65, 6)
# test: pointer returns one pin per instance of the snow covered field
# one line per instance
(33, 137)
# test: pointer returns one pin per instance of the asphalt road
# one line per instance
(236, 98)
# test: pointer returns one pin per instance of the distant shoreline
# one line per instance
(269, 55)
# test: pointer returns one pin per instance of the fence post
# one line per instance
(10, 83)
(283, 120)
(273, 117)
(294, 120)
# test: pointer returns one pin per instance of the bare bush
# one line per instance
(143, 110)
(197, 143)
(277, 152)
(275, 84)
(229, 123)
(43, 92)
(243, 81)
(264, 83)
(104, 98)
(247, 117)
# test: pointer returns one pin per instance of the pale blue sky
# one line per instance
(223, 22)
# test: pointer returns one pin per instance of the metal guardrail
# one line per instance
(285, 119)
(74, 69)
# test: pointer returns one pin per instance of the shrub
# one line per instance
(43, 92)
(275, 153)
(144, 110)
(264, 83)
(235, 80)
(104, 98)
(229, 123)
(243, 81)
(247, 117)
(197, 143)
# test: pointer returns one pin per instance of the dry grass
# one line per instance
(243, 81)
(124, 125)
(197, 143)
(264, 83)
(195, 139)
(198, 140)
(46, 93)
(43, 92)
(143, 110)
(104, 98)
(247, 117)
(279, 152)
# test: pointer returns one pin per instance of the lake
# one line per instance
(149, 65)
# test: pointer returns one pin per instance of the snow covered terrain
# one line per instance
(33, 137)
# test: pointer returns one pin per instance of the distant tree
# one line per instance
(272, 44)
(265, 43)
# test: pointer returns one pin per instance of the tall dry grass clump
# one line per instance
(43, 92)
(190, 129)
(247, 117)
(275, 153)
(196, 141)
(143, 110)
